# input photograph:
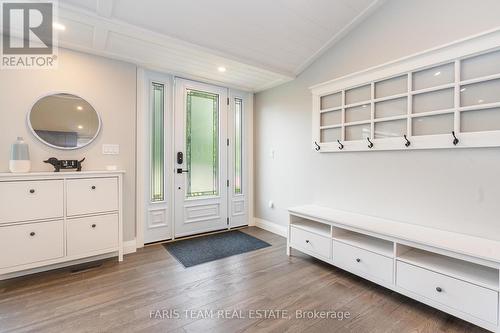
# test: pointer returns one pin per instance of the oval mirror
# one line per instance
(64, 121)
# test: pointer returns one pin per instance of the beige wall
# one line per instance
(455, 190)
(109, 85)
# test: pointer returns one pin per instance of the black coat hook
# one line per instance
(370, 144)
(317, 146)
(407, 143)
(341, 146)
(455, 139)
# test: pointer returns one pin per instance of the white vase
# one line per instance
(19, 157)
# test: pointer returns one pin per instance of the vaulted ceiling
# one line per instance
(261, 43)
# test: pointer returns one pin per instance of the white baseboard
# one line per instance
(129, 246)
(273, 227)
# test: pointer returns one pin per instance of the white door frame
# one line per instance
(144, 77)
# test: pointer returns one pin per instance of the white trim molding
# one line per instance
(129, 246)
(275, 228)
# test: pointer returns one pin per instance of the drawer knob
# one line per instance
(32, 191)
(32, 234)
(93, 187)
(439, 289)
(93, 225)
(307, 241)
(358, 260)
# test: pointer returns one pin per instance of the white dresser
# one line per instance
(50, 220)
(456, 273)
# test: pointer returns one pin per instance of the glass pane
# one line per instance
(438, 124)
(434, 101)
(480, 93)
(434, 76)
(238, 145)
(391, 108)
(331, 118)
(158, 143)
(331, 134)
(359, 94)
(331, 101)
(202, 143)
(358, 113)
(480, 120)
(394, 86)
(357, 132)
(481, 65)
(390, 129)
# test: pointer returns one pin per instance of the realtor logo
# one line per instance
(28, 38)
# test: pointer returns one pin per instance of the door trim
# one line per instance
(142, 105)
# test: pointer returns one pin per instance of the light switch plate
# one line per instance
(110, 149)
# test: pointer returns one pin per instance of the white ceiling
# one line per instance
(262, 43)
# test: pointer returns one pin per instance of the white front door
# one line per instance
(200, 161)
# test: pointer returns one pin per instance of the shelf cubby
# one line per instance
(477, 274)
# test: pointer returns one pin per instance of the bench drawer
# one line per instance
(30, 243)
(466, 297)
(302, 239)
(363, 262)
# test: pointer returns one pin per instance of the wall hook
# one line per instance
(317, 146)
(370, 144)
(341, 146)
(455, 139)
(407, 143)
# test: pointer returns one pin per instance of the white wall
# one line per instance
(109, 85)
(456, 190)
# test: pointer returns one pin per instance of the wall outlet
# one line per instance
(110, 149)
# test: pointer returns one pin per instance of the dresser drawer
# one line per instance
(31, 200)
(89, 234)
(357, 260)
(474, 300)
(30, 243)
(94, 195)
(302, 239)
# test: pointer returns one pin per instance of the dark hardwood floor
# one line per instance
(120, 297)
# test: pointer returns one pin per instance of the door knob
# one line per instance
(182, 171)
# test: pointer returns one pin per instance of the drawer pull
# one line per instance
(32, 191)
(93, 225)
(439, 289)
(93, 187)
(32, 234)
(358, 260)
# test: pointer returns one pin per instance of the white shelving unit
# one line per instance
(431, 98)
(456, 273)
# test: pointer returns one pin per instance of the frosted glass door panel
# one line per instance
(357, 132)
(359, 94)
(480, 120)
(430, 125)
(202, 144)
(480, 93)
(391, 108)
(331, 134)
(434, 76)
(358, 113)
(331, 101)
(482, 65)
(390, 129)
(433, 101)
(331, 118)
(389, 87)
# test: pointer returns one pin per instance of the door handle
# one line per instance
(182, 171)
